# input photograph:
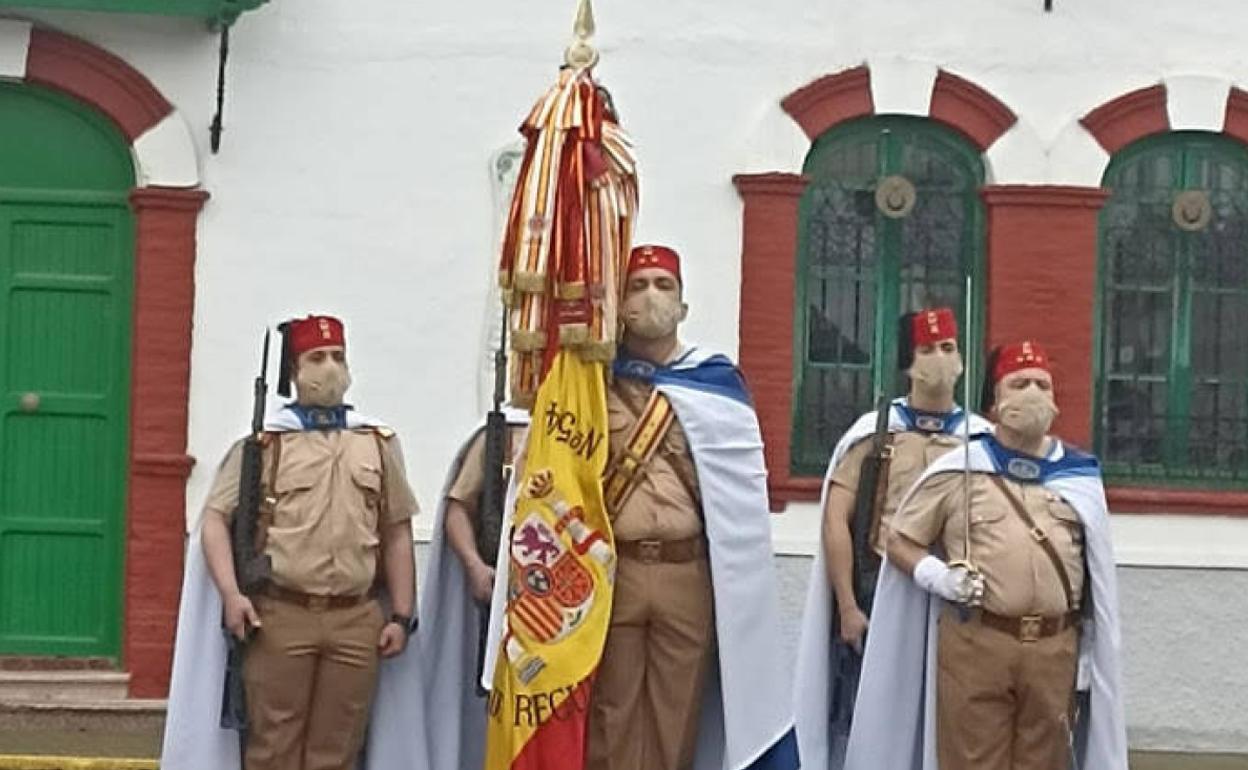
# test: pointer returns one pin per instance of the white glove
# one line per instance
(954, 584)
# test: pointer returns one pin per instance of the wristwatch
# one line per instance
(408, 625)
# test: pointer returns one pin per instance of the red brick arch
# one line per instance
(164, 264)
(1145, 112)
(1129, 117)
(956, 102)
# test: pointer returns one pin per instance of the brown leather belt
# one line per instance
(315, 602)
(668, 551)
(1029, 628)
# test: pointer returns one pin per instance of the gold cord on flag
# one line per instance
(570, 226)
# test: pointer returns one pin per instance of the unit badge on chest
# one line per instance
(1022, 469)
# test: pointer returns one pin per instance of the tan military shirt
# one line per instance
(333, 492)
(471, 478)
(665, 504)
(1019, 577)
(913, 451)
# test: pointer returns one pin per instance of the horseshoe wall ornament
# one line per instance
(1192, 210)
(895, 196)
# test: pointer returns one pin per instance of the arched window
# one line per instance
(1172, 359)
(891, 222)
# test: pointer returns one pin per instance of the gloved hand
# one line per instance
(954, 584)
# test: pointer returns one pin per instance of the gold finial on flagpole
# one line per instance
(581, 54)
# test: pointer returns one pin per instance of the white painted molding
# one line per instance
(14, 47)
(1196, 102)
(1140, 540)
(1075, 158)
(1192, 542)
(902, 86)
(1017, 157)
(774, 143)
(165, 156)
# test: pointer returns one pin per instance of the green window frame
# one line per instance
(859, 269)
(1171, 395)
(225, 11)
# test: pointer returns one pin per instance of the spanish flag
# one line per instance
(559, 583)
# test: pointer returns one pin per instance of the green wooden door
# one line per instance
(858, 269)
(66, 259)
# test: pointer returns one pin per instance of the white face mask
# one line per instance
(321, 383)
(1028, 412)
(652, 313)
(936, 371)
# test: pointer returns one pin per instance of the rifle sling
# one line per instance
(264, 517)
(1041, 538)
(880, 493)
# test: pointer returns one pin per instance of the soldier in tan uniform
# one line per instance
(463, 512)
(898, 445)
(647, 697)
(924, 425)
(336, 525)
(1007, 657)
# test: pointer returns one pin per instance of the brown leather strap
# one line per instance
(1029, 628)
(667, 551)
(629, 466)
(682, 465)
(316, 602)
(881, 490)
(273, 442)
(1041, 538)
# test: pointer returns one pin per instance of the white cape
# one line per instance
(447, 644)
(894, 721)
(813, 684)
(193, 737)
(747, 714)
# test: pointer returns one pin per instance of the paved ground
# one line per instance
(147, 745)
(1188, 762)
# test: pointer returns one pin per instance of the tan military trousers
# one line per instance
(648, 695)
(1003, 704)
(310, 677)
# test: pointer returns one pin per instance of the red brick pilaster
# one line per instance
(1042, 284)
(165, 223)
(768, 267)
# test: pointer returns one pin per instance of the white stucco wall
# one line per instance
(354, 180)
(353, 177)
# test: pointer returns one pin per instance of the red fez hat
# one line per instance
(644, 257)
(315, 331)
(300, 335)
(924, 327)
(927, 327)
(1019, 356)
